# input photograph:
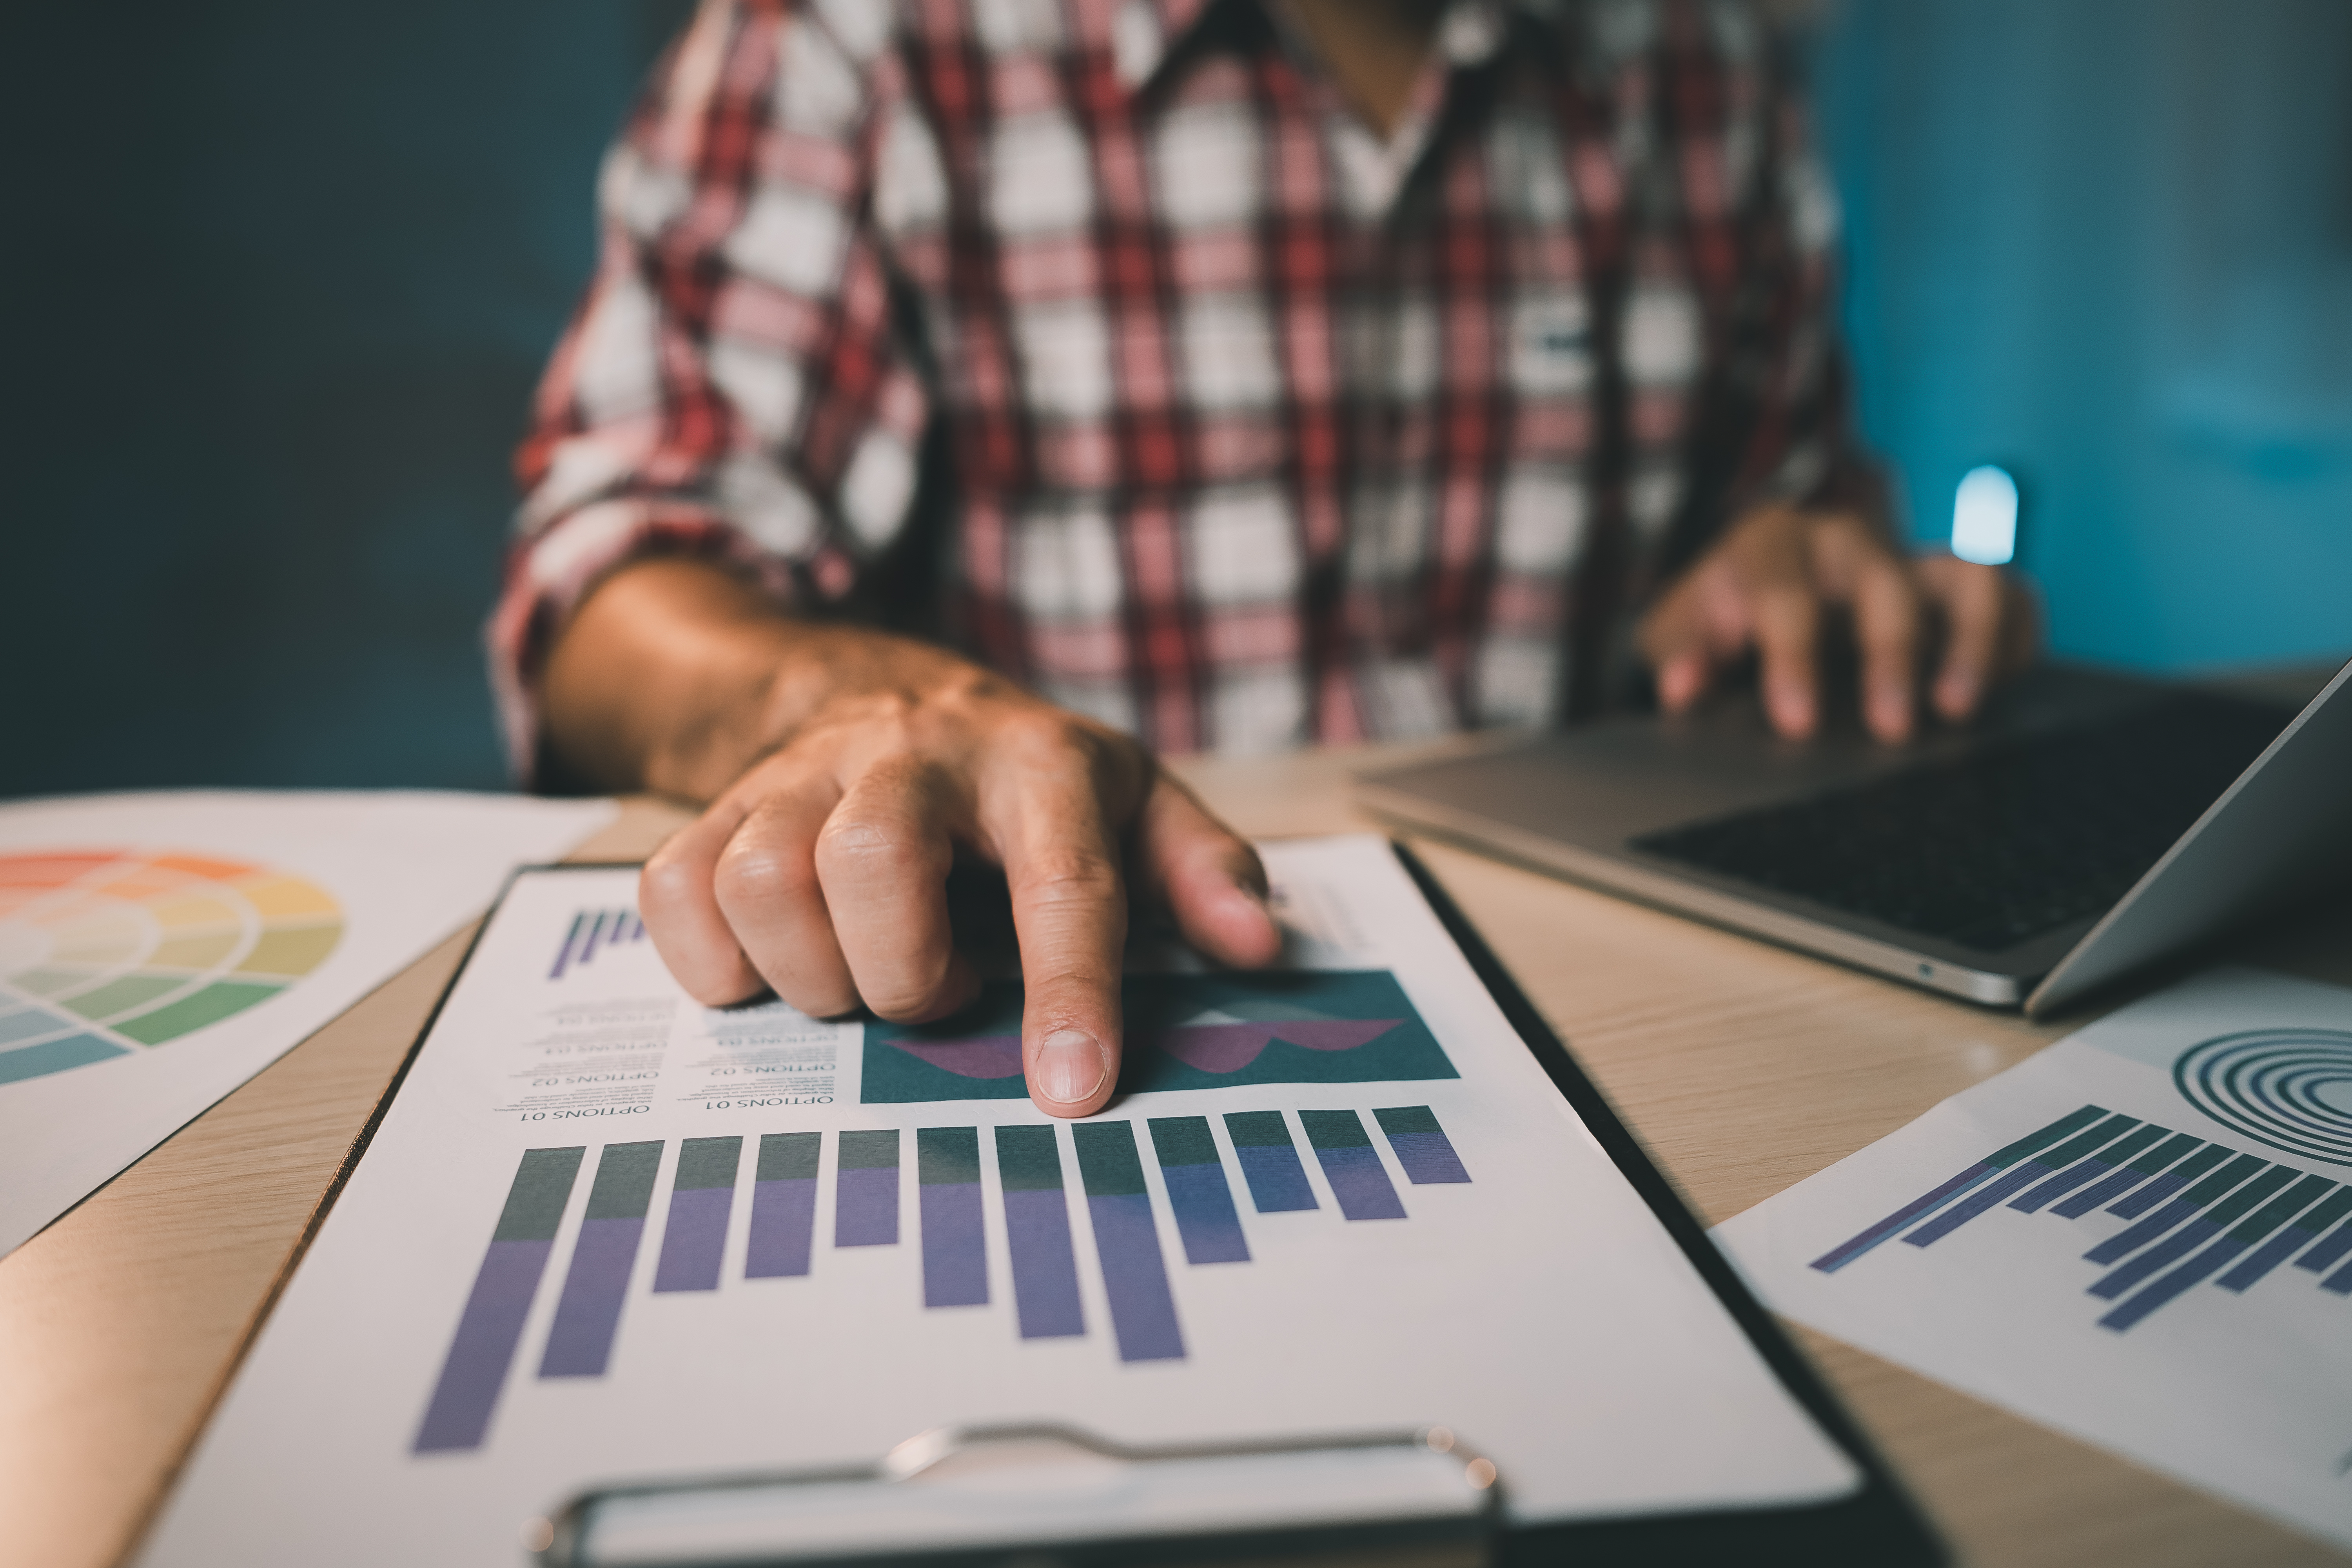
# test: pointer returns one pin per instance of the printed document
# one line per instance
(606, 1236)
(2141, 1237)
(158, 949)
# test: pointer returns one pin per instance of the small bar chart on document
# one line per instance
(2193, 1213)
(2141, 1236)
(108, 952)
(1044, 1195)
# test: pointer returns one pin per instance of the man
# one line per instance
(1229, 374)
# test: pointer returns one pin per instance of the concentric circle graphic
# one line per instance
(106, 951)
(2291, 1089)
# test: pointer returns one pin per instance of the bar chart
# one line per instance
(591, 932)
(1138, 1229)
(1184, 1032)
(2198, 1212)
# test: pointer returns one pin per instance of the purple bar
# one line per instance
(2120, 1187)
(2033, 1199)
(588, 944)
(588, 1314)
(564, 954)
(1277, 1182)
(488, 1332)
(695, 1240)
(1044, 1269)
(783, 1225)
(1845, 1252)
(1427, 1157)
(1142, 1312)
(866, 1199)
(955, 1256)
(1205, 1220)
(1361, 1182)
(2145, 1198)
(2023, 1174)
(865, 1209)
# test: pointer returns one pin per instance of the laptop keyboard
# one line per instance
(2000, 846)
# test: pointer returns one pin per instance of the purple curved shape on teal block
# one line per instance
(1209, 1048)
(981, 1056)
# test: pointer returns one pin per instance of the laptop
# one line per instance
(2085, 825)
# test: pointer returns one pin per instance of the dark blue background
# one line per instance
(277, 276)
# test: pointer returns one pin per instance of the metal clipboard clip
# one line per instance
(1040, 1496)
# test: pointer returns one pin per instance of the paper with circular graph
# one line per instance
(2142, 1236)
(104, 952)
(156, 951)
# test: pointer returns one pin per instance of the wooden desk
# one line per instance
(1744, 1067)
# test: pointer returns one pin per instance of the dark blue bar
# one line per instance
(783, 1206)
(2086, 1170)
(588, 1313)
(1142, 1312)
(955, 1245)
(2023, 1174)
(2198, 1268)
(2210, 1189)
(865, 1195)
(2179, 1245)
(1206, 1219)
(2264, 1258)
(2177, 1147)
(1277, 1182)
(1045, 1267)
(2146, 1198)
(2334, 1246)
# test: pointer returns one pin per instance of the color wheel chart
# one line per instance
(1044, 1174)
(103, 951)
(2198, 1212)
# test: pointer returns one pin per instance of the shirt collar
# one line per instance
(1145, 33)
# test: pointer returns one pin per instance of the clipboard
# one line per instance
(1439, 1502)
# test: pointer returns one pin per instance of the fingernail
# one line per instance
(1070, 1066)
(1794, 709)
(1679, 682)
(1891, 712)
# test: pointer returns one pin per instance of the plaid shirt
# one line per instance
(1108, 334)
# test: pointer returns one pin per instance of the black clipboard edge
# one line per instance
(1878, 1524)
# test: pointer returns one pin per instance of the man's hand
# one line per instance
(1766, 586)
(849, 768)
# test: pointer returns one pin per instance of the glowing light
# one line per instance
(1984, 517)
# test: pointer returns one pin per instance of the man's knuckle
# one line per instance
(666, 882)
(759, 874)
(873, 845)
(1070, 875)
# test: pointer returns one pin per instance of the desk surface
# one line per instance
(1744, 1067)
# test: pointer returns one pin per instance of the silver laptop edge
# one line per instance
(2238, 858)
(1688, 897)
(2280, 830)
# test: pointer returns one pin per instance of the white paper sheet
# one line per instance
(2205, 1328)
(158, 949)
(1536, 1308)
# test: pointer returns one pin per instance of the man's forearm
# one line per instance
(675, 676)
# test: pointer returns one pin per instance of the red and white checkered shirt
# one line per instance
(1253, 426)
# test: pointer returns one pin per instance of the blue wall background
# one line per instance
(2109, 243)
(279, 275)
